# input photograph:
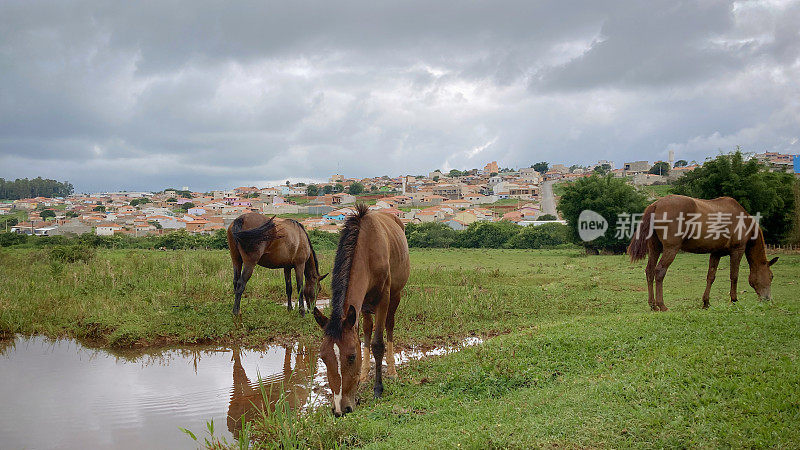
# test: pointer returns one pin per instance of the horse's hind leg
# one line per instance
(247, 271)
(367, 319)
(378, 347)
(650, 272)
(661, 271)
(391, 372)
(287, 276)
(713, 262)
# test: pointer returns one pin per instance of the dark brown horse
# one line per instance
(369, 273)
(720, 227)
(274, 244)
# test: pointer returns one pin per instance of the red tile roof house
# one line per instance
(197, 225)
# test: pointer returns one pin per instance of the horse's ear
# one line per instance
(350, 320)
(322, 321)
(323, 277)
(772, 261)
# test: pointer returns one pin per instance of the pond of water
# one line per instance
(61, 394)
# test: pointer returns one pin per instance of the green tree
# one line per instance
(541, 167)
(47, 213)
(602, 169)
(430, 235)
(607, 196)
(749, 182)
(327, 189)
(435, 178)
(100, 208)
(548, 235)
(312, 190)
(454, 173)
(681, 163)
(660, 168)
(187, 206)
(36, 187)
(338, 187)
(7, 221)
(547, 217)
(172, 200)
(488, 234)
(355, 188)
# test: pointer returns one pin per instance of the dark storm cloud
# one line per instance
(213, 94)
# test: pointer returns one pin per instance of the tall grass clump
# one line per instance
(71, 253)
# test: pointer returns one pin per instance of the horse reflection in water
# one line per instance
(247, 401)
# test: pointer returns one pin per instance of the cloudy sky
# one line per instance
(123, 95)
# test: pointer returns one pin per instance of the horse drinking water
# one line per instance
(274, 244)
(719, 227)
(369, 273)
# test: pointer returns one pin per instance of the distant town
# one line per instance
(455, 198)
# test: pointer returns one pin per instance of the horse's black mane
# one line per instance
(348, 238)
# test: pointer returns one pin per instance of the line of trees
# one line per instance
(502, 234)
(37, 187)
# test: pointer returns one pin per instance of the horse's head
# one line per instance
(313, 286)
(761, 279)
(342, 358)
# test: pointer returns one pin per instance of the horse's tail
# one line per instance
(638, 246)
(248, 239)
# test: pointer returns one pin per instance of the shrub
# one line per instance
(487, 234)
(548, 235)
(430, 235)
(71, 253)
(9, 239)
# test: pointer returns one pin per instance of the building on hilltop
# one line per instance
(632, 168)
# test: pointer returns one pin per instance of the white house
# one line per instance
(107, 229)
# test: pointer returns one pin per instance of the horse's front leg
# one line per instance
(736, 260)
(298, 274)
(287, 276)
(713, 262)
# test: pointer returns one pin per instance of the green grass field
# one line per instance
(576, 360)
(655, 192)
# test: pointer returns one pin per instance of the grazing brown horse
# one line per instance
(274, 244)
(721, 227)
(369, 273)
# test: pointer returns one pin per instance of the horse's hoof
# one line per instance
(302, 313)
(378, 391)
